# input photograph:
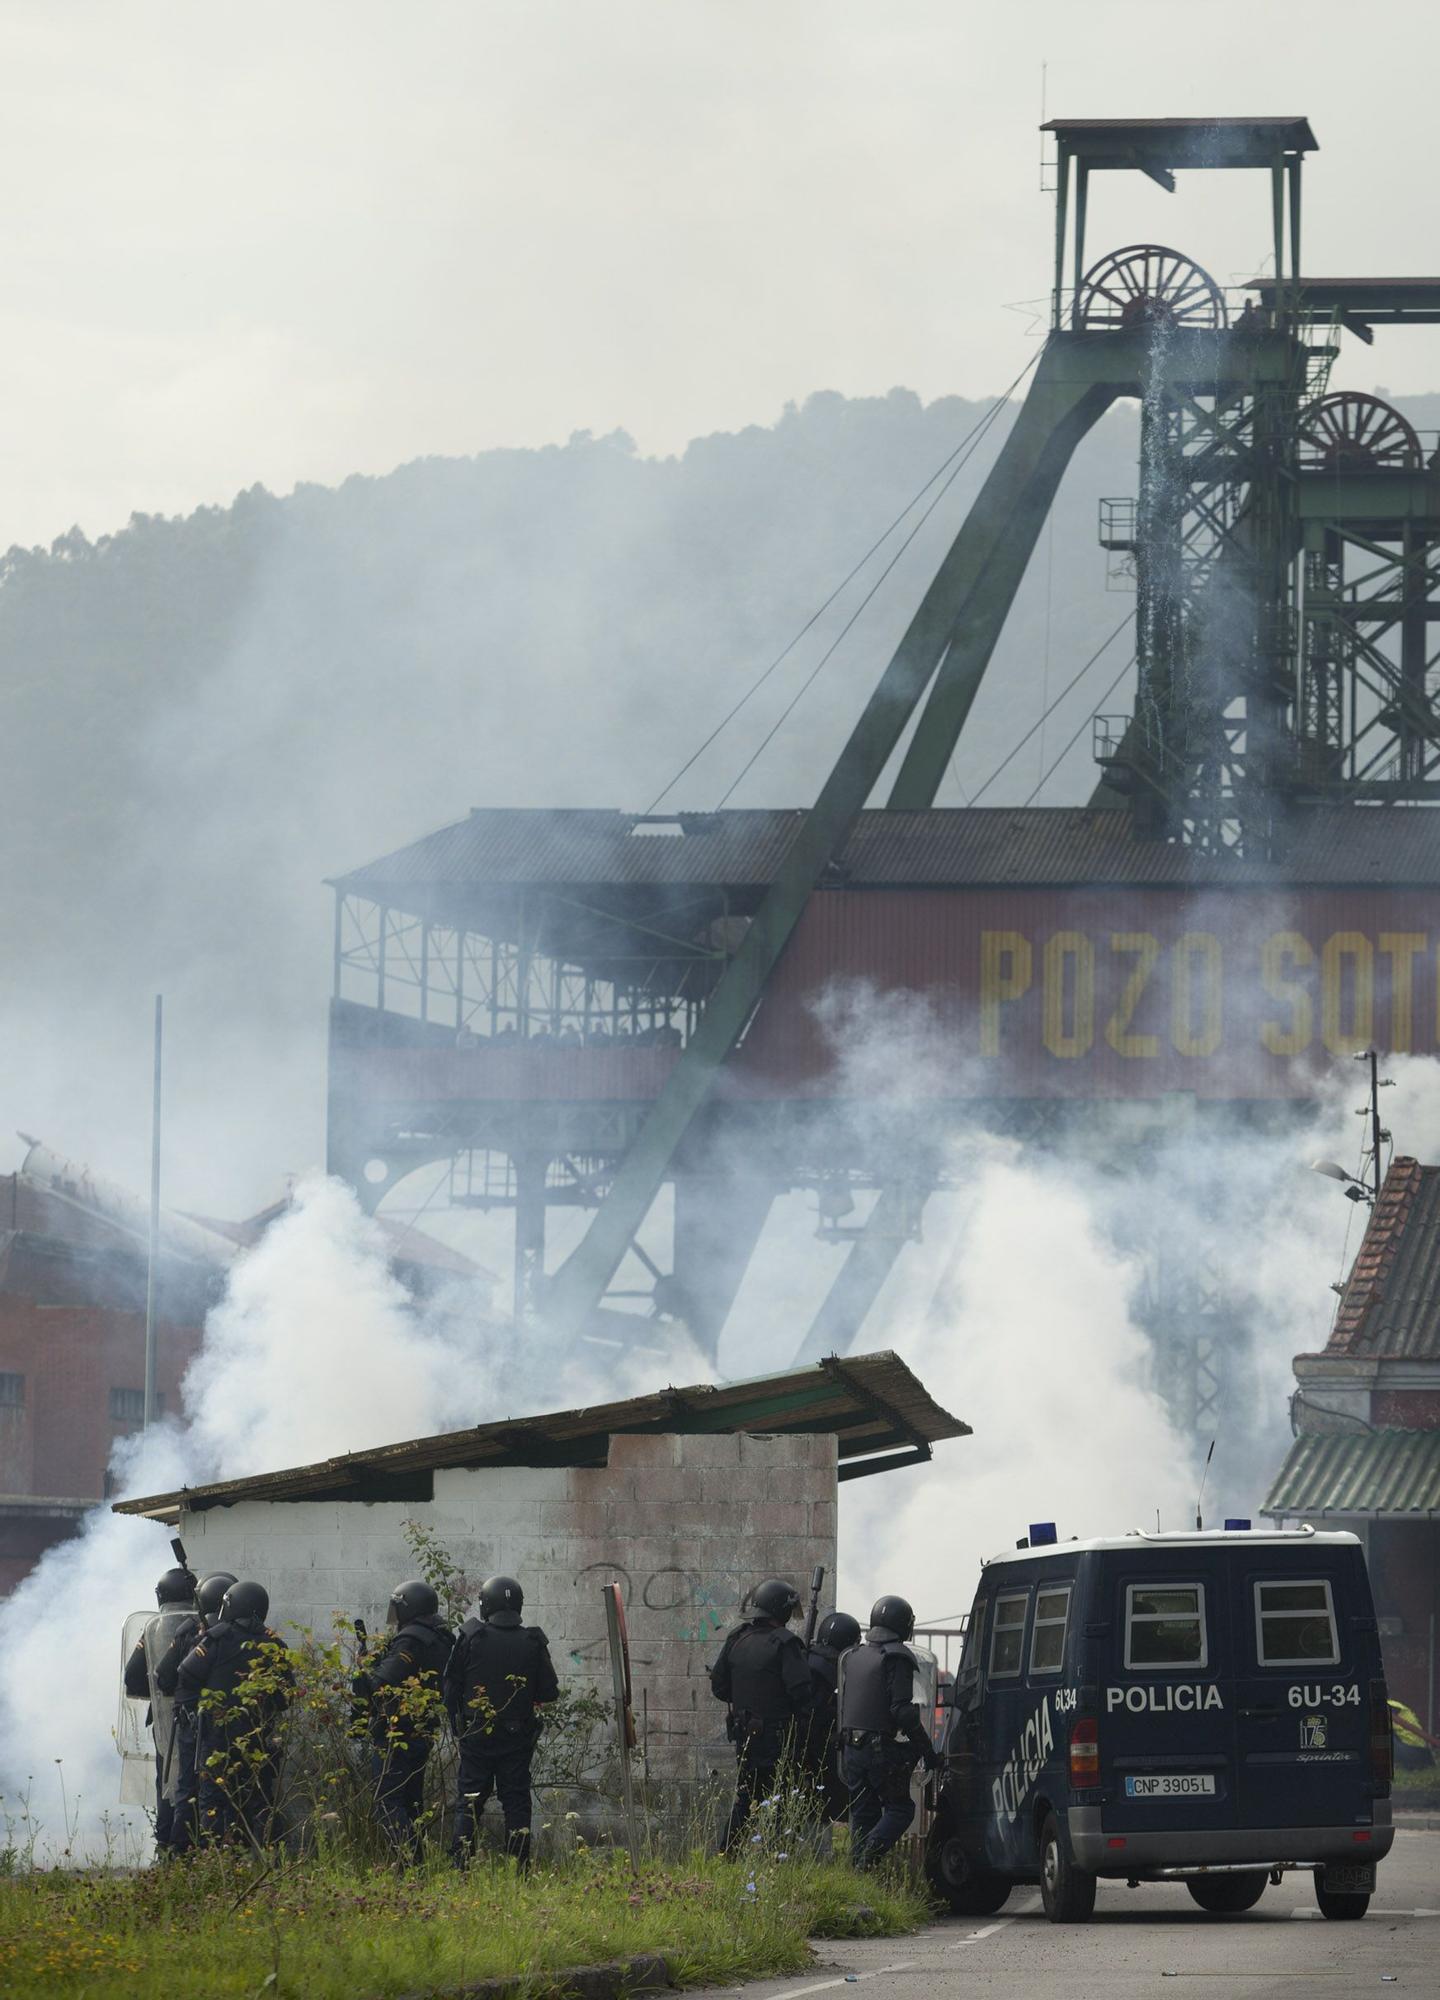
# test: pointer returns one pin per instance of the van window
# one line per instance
(974, 1648)
(1165, 1625)
(1008, 1635)
(1047, 1640)
(1295, 1624)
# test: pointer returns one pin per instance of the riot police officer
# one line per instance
(881, 1732)
(235, 1749)
(174, 1594)
(164, 1677)
(402, 1691)
(499, 1674)
(763, 1676)
(820, 1757)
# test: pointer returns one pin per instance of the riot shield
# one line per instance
(159, 1632)
(927, 1687)
(132, 1737)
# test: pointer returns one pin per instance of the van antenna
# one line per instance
(1199, 1522)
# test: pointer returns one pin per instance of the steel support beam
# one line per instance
(530, 1172)
(719, 1218)
(890, 1225)
(1078, 377)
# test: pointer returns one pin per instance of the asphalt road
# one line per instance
(1155, 1941)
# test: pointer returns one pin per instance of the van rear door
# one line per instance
(1306, 1652)
(1167, 1741)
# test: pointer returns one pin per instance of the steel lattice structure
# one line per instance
(1284, 544)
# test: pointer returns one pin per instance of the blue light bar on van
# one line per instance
(1042, 1534)
(1236, 1524)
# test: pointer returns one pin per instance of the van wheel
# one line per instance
(1228, 1895)
(1067, 1892)
(968, 1892)
(1341, 1907)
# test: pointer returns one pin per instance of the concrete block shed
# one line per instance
(687, 1498)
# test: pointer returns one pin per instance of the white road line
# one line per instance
(1027, 1910)
(909, 1964)
(848, 1979)
(1304, 1913)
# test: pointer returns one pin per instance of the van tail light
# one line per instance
(1382, 1746)
(1085, 1752)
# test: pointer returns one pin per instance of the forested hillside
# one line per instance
(207, 716)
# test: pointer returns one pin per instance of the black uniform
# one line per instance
(236, 1754)
(403, 1692)
(499, 1673)
(763, 1675)
(883, 1740)
(819, 1747)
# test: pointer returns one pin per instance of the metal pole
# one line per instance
(1375, 1114)
(152, 1404)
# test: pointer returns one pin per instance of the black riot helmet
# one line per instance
(776, 1599)
(839, 1632)
(893, 1614)
(245, 1605)
(177, 1586)
(210, 1592)
(501, 1599)
(415, 1599)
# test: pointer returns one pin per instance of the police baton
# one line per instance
(812, 1616)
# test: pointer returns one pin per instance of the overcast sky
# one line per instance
(292, 241)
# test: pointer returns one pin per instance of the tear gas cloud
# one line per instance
(1019, 1311)
(315, 1349)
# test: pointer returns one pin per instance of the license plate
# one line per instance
(1351, 1878)
(1171, 1785)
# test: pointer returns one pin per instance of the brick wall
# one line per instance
(58, 1440)
(686, 1524)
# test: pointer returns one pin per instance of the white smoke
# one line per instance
(315, 1349)
(1029, 1337)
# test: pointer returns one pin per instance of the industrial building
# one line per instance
(1366, 1414)
(687, 1498)
(585, 1009)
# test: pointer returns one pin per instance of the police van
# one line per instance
(1207, 1708)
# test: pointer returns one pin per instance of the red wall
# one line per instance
(1075, 993)
(1406, 1409)
(71, 1357)
(1112, 992)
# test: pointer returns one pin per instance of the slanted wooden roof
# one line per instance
(881, 1413)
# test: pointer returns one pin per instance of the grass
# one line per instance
(219, 1927)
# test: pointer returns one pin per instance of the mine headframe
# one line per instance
(1212, 754)
(1282, 540)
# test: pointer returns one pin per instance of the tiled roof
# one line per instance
(1391, 1301)
(1390, 1472)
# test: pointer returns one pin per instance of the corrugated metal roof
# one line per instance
(871, 1401)
(1384, 1472)
(975, 846)
(1391, 1301)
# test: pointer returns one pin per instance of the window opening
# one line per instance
(1295, 1624)
(1008, 1635)
(1165, 1625)
(12, 1391)
(1047, 1639)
